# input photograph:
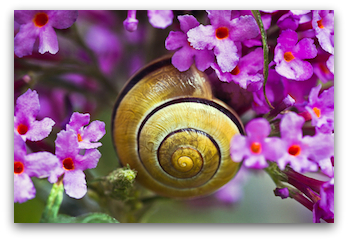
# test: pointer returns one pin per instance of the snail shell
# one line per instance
(168, 126)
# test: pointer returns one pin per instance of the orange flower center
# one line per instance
(68, 164)
(235, 71)
(324, 68)
(320, 24)
(22, 129)
(40, 19)
(256, 147)
(288, 56)
(294, 150)
(221, 33)
(18, 167)
(317, 111)
(79, 138)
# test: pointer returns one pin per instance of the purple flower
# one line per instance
(323, 72)
(324, 208)
(25, 123)
(106, 45)
(321, 108)
(87, 137)
(247, 73)
(323, 24)
(256, 147)
(275, 91)
(157, 18)
(302, 153)
(38, 164)
(232, 192)
(39, 24)
(185, 55)
(72, 164)
(330, 63)
(224, 35)
(160, 18)
(289, 55)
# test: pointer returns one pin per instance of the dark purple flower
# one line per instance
(72, 164)
(247, 73)
(289, 56)
(25, 123)
(224, 36)
(321, 108)
(323, 24)
(106, 45)
(87, 136)
(40, 24)
(256, 147)
(39, 164)
(185, 54)
(324, 208)
(282, 192)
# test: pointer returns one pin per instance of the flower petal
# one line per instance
(25, 39)
(243, 28)
(187, 22)
(48, 40)
(23, 188)
(227, 55)
(175, 40)
(62, 19)
(41, 164)
(160, 18)
(40, 129)
(183, 58)
(78, 120)
(75, 184)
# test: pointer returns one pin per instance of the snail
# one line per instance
(168, 126)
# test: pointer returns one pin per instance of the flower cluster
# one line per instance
(67, 162)
(302, 56)
(284, 92)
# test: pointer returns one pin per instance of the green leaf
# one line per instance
(53, 203)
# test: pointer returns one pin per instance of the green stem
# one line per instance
(258, 19)
(54, 201)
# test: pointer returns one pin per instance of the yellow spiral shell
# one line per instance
(168, 126)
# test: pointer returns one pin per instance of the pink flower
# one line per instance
(40, 24)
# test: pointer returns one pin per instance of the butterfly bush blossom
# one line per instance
(40, 24)
(287, 108)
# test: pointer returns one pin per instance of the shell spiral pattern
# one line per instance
(168, 126)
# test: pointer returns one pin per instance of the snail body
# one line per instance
(168, 126)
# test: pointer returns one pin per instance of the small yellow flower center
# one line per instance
(320, 24)
(40, 19)
(79, 137)
(288, 56)
(317, 111)
(255, 147)
(221, 33)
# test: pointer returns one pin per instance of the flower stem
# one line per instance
(258, 19)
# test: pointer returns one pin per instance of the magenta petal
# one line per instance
(28, 104)
(183, 59)
(175, 40)
(203, 59)
(244, 27)
(227, 56)
(75, 184)
(258, 128)
(255, 161)
(40, 164)
(187, 22)
(66, 144)
(305, 49)
(40, 129)
(296, 69)
(220, 17)
(160, 18)
(331, 63)
(291, 126)
(202, 37)
(24, 16)
(48, 40)
(89, 160)
(25, 39)
(62, 19)
(237, 148)
(23, 188)
(78, 120)
(287, 39)
(92, 133)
